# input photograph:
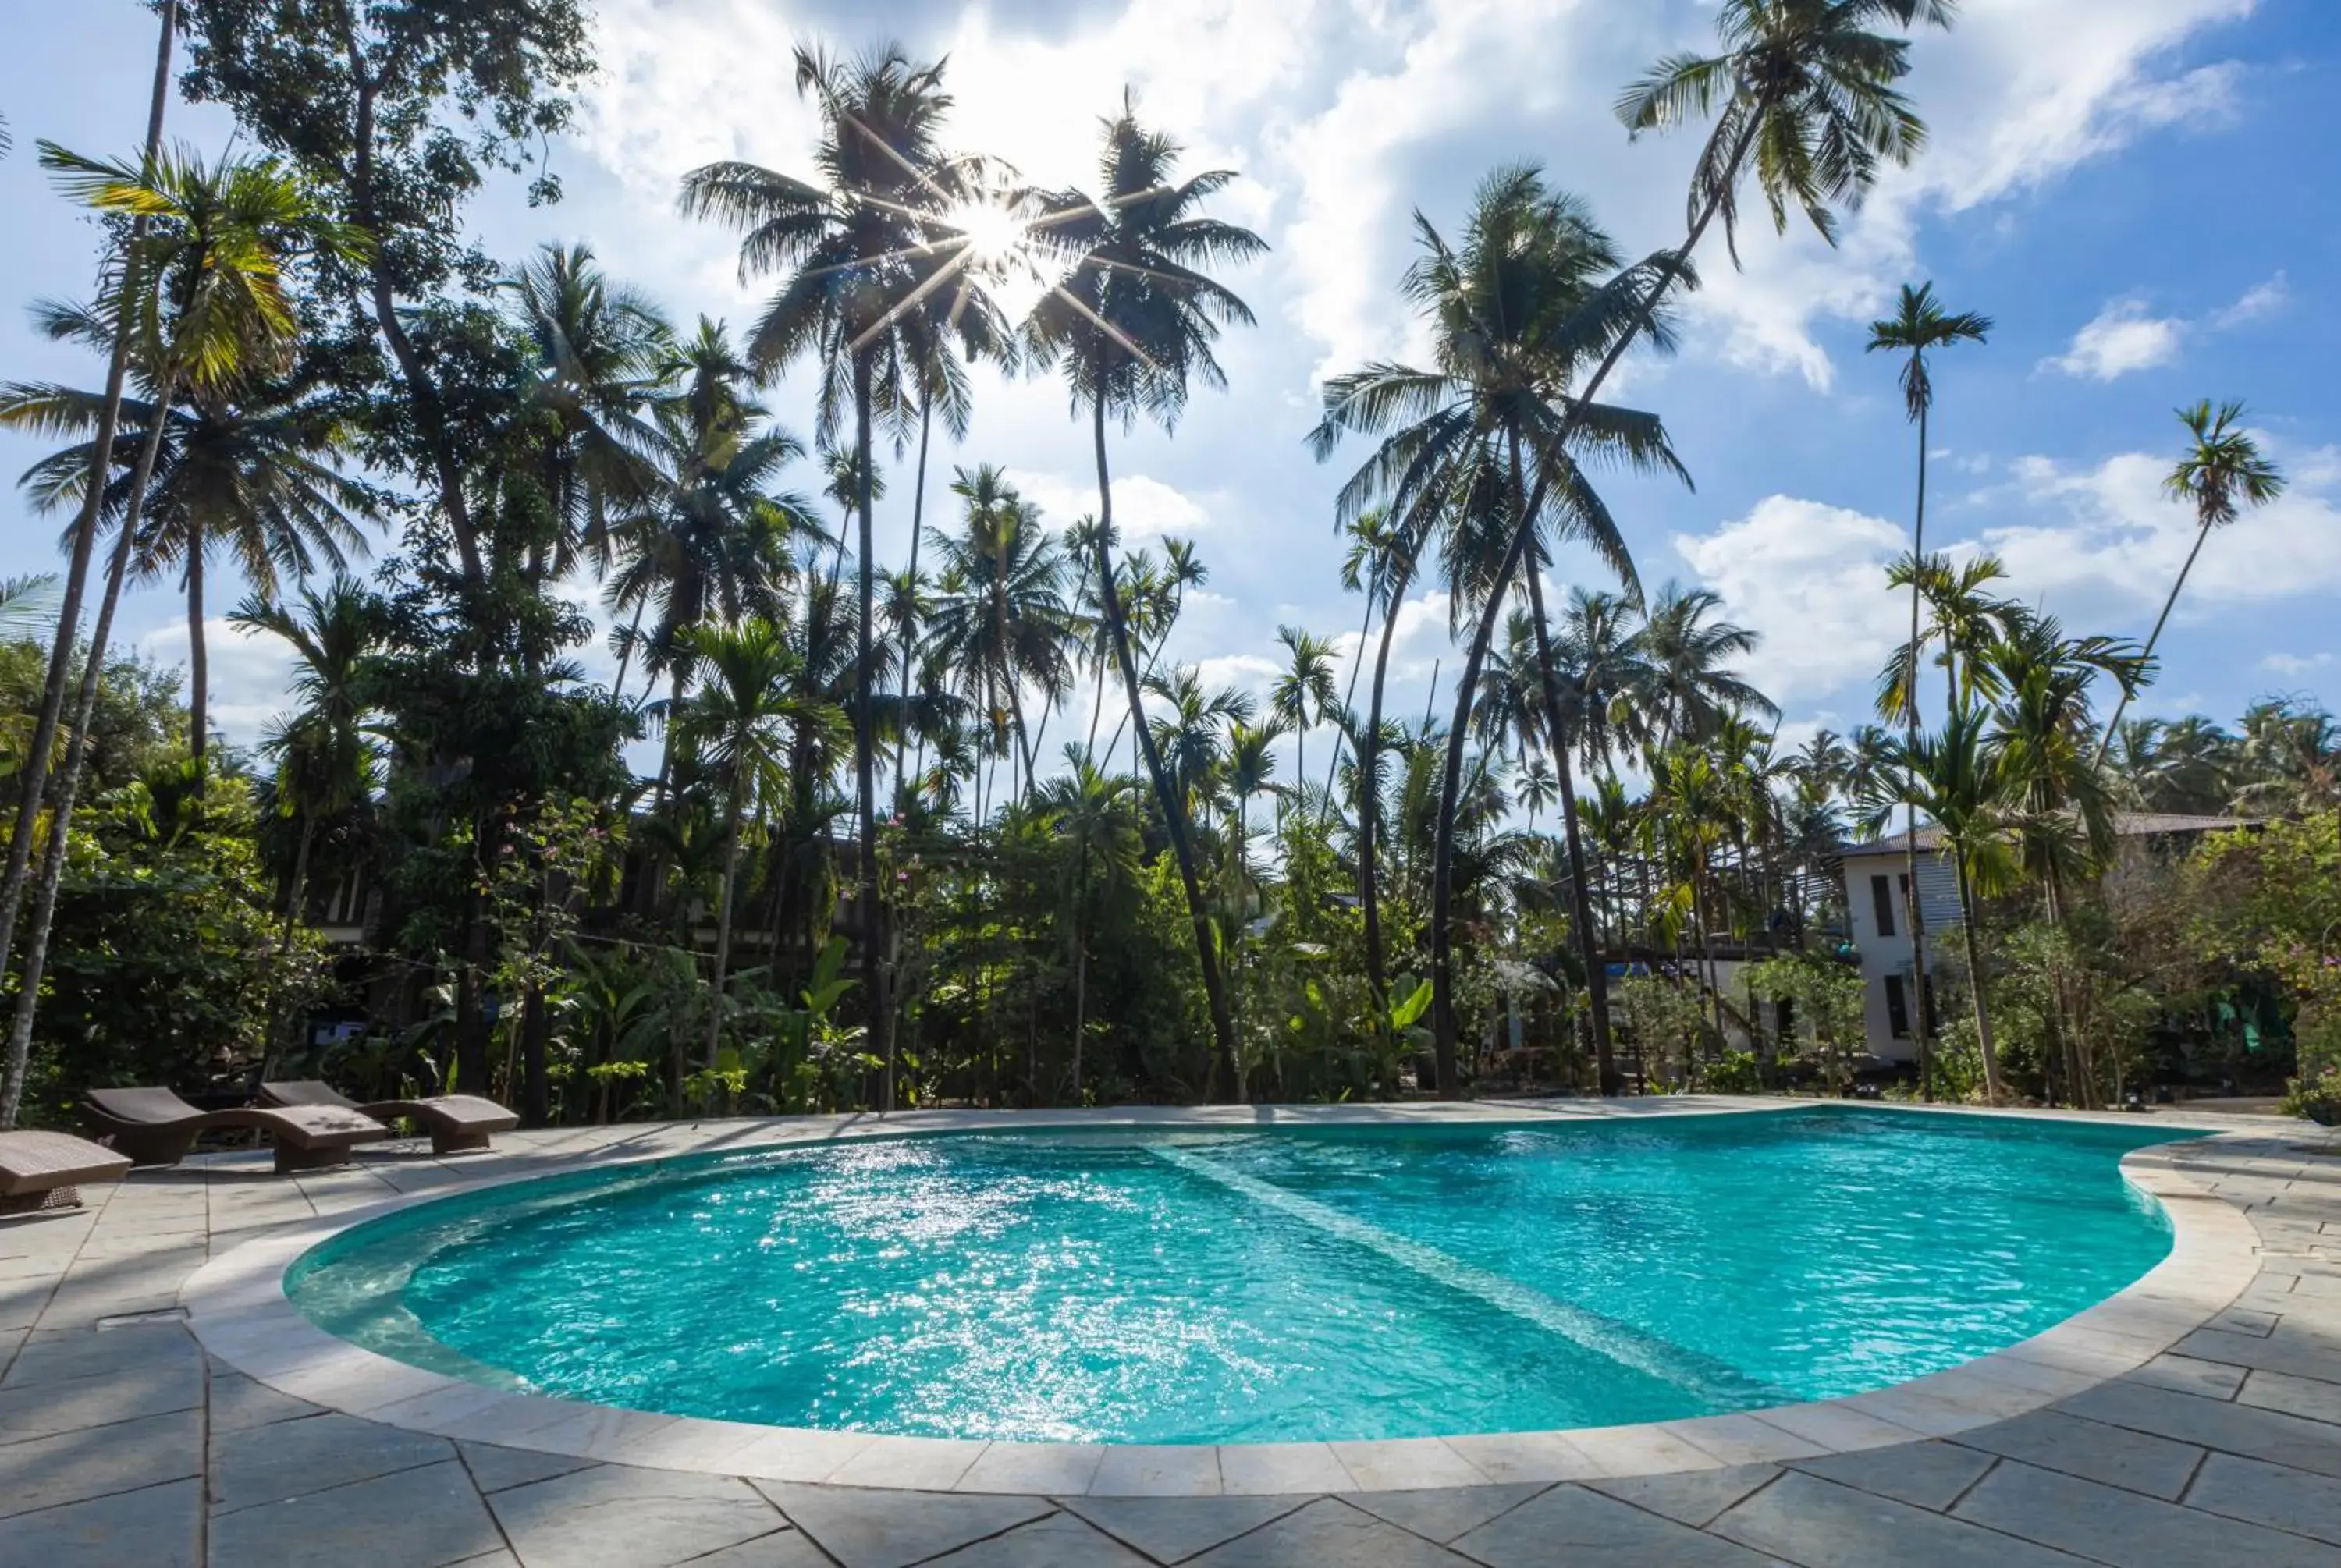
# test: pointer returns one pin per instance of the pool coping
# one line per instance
(237, 1308)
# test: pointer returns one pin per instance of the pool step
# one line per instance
(1720, 1386)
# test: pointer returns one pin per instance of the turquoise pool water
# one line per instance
(1262, 1287)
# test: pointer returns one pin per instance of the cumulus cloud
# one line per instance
(249, 673)
(1810, 580)
(2260, 301)
(2295, 664)
(1143, 508)
(2121, 338)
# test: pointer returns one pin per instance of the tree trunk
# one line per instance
(1174, 814)
(873, 920)
(902, 720)
(33, 776)
(722, 938)
(1991, 1091)
(1369, 794)
(199, 666)
(2201, 532)
(1913, 913)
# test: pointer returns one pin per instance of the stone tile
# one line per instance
(2211, 1379)
(2305, 1396)
(1582, 1529)
(1695, 1497)
(238, 1402)
(2234, 1428)
(1039, 1469)
(1173, 1529)
(2271, 1494)
(1540, 1456)
(294, 1458)
(1157, 1470)
(2137, 1461)
(1059, 1540)
(1820, 1524)
(784, 1548)
(1931, 1476)
(2243, 1320)
(862, 1527)
(919, 1463)
(2123, 1528)
(1442, 1515)
(612, 1516)
(1328, 1534)
(2288, 1349)
(416, 1518)
(58, 1356)
(45, 1409)
(496, 1469)
(153, 1527)
(43, 1471)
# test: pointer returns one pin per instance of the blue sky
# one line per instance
(2134, 189)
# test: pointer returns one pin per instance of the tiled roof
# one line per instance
(2126, 825)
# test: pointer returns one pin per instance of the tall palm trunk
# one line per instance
(1369, 794)
(199, 664)
(2113, 724)
(1991, 1092)
(874, 922)
(1442, 871)
(1349, 701)
(909, 622)
(1580, 907)
(1914, 913)
(33, 776)
(724, 932)
(1174, 815)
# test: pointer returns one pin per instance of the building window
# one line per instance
(1881, 898)
(1898, 1006)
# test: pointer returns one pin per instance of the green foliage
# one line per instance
(1825, 999)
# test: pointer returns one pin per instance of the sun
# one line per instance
(992, 234)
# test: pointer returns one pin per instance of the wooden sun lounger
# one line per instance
(47, 1170)
(156, 1127)
(456, 1123)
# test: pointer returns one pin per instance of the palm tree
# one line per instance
(1133, 322)
(1953, 778)
(257, 473)
(1686, 690)
(1395, 551)
(870, 246)
(1092, 810)
(1189, 744)
(1494, 432)
(2222, 473)
(1247, 770)
(208, 315)
(1303, 694)
(742, 722)
(1920, 324)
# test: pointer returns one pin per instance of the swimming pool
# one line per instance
(1206, 1287)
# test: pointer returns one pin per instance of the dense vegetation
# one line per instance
(862, 871)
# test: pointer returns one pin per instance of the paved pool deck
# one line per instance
(2200, 1424)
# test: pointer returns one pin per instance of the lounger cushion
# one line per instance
(33, 1161)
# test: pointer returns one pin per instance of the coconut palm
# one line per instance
(870, 246)
(1304, 692)
(1094, 810)
(1686, 690)
(208, 316)
(1133, 322)
(2222, 473)
(1496, 430)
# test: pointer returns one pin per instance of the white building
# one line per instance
(1875, 876)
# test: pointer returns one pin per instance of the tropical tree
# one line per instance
(1093, 811)
(1492, 432)
(2222, 473)
(1133, 322)
(1685, 689)
(870, 244)
(1303, 694)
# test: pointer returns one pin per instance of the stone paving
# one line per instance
(122, 1443)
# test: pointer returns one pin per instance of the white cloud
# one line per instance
(1810, 580)
(249, 673)
(2295, 664)
(1143, 508)
(2264, 299)
(1250, 672)
(2121, 338)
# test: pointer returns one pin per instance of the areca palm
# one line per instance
(1133, 322)
(2222, 473)
(204, 310)
(1303, 694)
(1492, 436)
(869, 245)
(749, 707)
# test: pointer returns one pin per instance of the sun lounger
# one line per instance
(456, 1123)
(47, 1170)
(156, 1127)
